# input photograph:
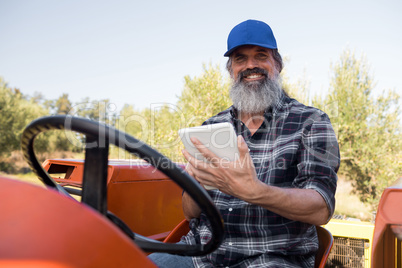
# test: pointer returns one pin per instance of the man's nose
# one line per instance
(251, 63)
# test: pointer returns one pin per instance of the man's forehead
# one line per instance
(242, 49)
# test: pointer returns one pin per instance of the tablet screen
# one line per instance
(218, 138)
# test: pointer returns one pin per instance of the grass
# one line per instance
(348, 205)
(29, 178)
(32, 179)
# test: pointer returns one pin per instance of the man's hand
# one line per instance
(237, 178)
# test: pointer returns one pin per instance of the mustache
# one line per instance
(255, 70)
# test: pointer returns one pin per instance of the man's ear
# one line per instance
(229, 66)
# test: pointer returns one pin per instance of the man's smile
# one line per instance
(255, 74)
(254, 77)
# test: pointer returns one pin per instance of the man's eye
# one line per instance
(262, 57)
(239, 59)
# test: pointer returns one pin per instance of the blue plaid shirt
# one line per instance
(295, 147)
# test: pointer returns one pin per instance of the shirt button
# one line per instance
(230, 209)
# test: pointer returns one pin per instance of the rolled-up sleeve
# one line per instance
(319, 159)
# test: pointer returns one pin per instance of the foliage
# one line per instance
(298, 90)
(368, 128)
(60, 106)
(15, 113)
(201, 98)
(98, 110)
(7, 104)
(204, 96)
(132, 122)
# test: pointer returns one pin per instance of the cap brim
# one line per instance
(230, 51)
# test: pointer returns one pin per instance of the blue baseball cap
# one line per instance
(251, 32)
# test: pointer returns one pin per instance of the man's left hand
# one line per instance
(237, 178)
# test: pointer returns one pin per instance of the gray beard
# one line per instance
(255, 97)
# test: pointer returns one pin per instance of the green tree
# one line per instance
(133, 122)
(38, 98)
(298, 90)
(15, 113)
(165, 121)
(97, 110)
(201, 98)
(204, 96)
(8, 103)
(63, 105)
(58, 140)
(368, 129)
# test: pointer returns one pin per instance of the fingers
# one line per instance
(206, 153)
(213, 160)
(199, 170)
(228, 176)
(189, 170)
(193, 172)
(193, 163)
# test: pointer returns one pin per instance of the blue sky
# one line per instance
(138, 52)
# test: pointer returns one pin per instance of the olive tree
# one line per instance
(368, 127)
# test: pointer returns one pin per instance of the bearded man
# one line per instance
(284, 181)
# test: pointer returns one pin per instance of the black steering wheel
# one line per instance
(94, 192)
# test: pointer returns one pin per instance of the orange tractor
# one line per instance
(42, 227)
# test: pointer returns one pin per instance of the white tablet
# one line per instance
(219, 138)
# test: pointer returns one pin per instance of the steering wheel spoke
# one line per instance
(94, 183)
